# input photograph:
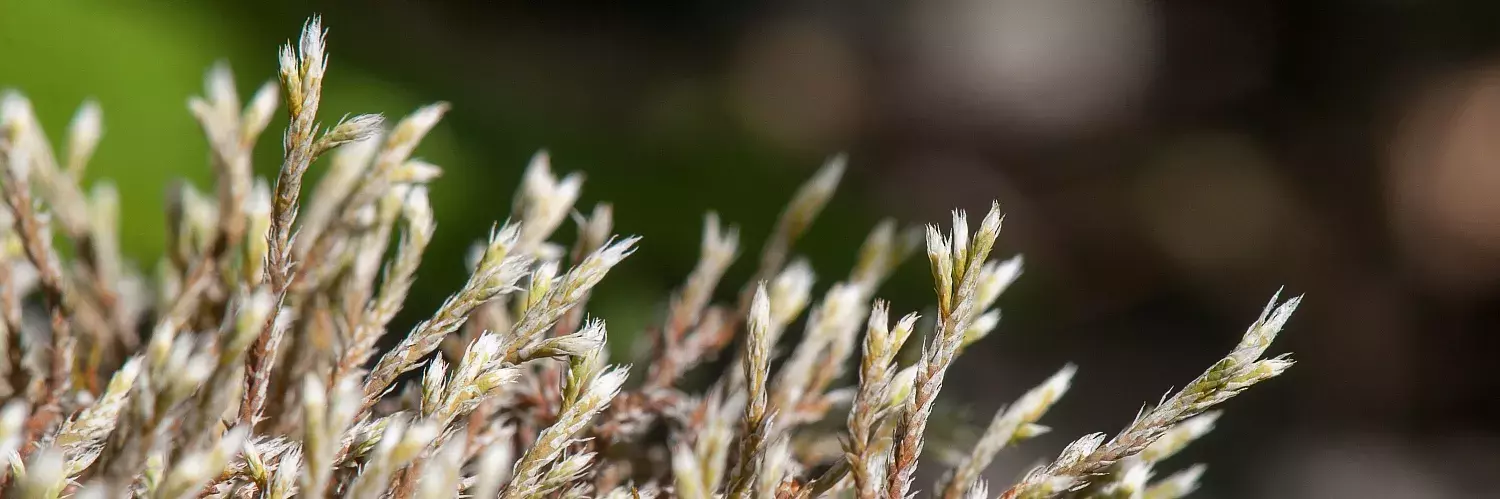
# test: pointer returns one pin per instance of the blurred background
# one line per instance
(1165, 167)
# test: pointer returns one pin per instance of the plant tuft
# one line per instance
(260, 376)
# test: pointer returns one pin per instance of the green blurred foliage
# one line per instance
(142, 60)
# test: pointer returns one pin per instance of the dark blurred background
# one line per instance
(1165, 167)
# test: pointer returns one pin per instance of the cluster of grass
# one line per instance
(259, 373)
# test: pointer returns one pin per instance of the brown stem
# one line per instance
(39, 250)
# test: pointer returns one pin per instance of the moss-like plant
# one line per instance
(259, 374)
